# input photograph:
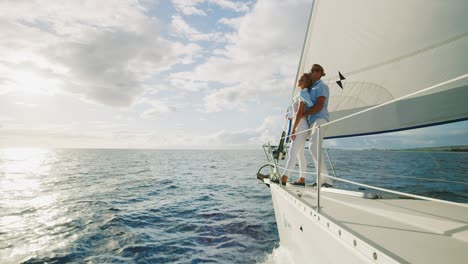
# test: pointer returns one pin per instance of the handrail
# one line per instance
(318, 166)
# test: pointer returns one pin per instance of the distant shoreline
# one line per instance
(433, 149)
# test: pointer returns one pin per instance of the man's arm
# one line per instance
(316, 108)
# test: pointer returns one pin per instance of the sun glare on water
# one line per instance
(27, 207)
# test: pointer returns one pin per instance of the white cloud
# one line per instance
(48, 138)
(261, 58)
(240, 96)
(192, 7)
(226, 98)
(180, 27)
(74, 17)
(157, 111)
(115, 134)
(113, 53)
(111, 66)
(266, 132)
(102, 51)
(157, 107)
(232, 22)
(235, 139)
(188, 7)
(28, 105)
(187, 85)
(234, 6)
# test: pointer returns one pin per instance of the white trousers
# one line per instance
(296, 150)
(313, 148)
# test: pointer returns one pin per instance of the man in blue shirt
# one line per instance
(318, 115)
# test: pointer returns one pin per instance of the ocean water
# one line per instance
(174, 206)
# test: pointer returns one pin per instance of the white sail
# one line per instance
(386, 52)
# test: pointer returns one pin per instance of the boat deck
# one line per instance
(407, 230)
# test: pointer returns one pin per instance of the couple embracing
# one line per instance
(310, 108)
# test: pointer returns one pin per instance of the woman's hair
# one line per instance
(319, 68)
(306, 79)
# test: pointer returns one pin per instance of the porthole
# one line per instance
(355, 242)
(375, 256)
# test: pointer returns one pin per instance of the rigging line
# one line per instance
(406, 177)
(389, 102)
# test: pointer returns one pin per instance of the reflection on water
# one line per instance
(133, 206)
(30, 212)
(172, 206)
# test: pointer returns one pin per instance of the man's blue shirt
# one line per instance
(318, 89)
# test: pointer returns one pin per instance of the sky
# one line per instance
(163, 74)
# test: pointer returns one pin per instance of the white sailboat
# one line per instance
(406, 66)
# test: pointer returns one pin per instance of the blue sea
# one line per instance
(175, 206)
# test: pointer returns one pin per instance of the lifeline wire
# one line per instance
(389, 175)
(394, 192)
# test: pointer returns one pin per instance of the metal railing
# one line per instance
(318, 174)
(275, 172)
(319, 147)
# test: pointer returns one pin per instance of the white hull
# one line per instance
(352, 229)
